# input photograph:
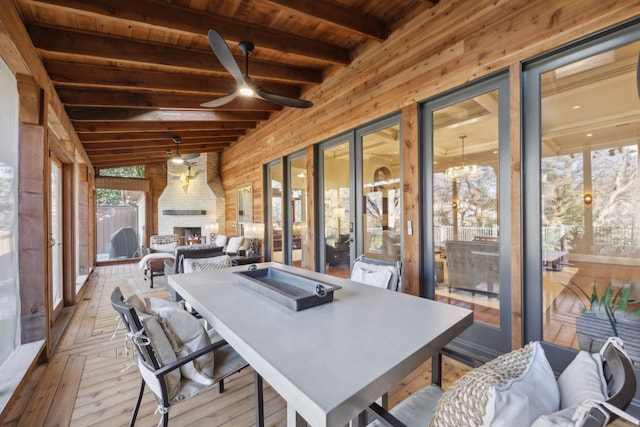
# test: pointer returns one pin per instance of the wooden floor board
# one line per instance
(84, 384)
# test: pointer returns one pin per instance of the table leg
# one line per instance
(294, 419)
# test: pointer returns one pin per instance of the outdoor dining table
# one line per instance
(331, 361)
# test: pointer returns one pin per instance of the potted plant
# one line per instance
(607, 313)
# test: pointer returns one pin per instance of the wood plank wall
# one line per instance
(431, 54)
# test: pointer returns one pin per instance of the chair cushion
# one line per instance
(191, 265)
(186, 335)
(234, 244)
(515, 386)
(164, 247)
(417, 409)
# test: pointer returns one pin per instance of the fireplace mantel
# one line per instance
(184, 212)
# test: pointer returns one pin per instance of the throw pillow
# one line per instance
(205, 264)
(165, 354)
(166, 247)
(561, 418)
(234, 244)
(225, 261)
(186, 335)
(221, 240)
(515, 386)
(583, 379)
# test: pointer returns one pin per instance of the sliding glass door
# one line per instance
(582, 194)
(467, 208)
(336, 225)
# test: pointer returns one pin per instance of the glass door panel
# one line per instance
(465, 206)
(467, 260)
(56, 238)
(336, 209)
(274, 179)
(381, 219)
(590, 130)
(297, 250)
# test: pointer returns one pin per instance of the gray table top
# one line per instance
(331, 361)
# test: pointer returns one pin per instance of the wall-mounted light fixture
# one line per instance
(454, 205)
(588, 199)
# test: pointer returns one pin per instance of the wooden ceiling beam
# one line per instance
(159, 144)
(100, 138)
(199, 22)
(134, 51)
(335, 14)
(158, 153)
(65, 74)
(141, 115)
(174, 125)
(73, 96)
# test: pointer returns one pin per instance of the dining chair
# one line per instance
(379, 273)
(175, 375)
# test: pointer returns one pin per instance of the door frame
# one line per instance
(485, 339)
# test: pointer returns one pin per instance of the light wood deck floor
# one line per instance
(86, 382)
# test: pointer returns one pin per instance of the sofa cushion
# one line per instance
(233, 246)
(164, 247)
(221, 240)
(515, 386)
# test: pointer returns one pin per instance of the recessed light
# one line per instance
(589, 135)
(577, 107)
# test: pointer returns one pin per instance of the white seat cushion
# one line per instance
(417, 409)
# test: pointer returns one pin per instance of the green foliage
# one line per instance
(610, 302)
(124, 172)
(106, 197)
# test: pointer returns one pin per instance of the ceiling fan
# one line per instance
(245, 86)
(177, 158)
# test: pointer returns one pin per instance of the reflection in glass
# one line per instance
(591, 201)
(337, 215)
(299, 231)
(465, 206)
(382, 221)
(275, 190)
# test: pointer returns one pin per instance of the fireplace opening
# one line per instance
(189, 235)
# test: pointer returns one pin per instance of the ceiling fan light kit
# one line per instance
(245, 86)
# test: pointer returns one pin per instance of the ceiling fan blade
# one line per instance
(223, 52)
(220, 101)
(283, 100)
(190, 156)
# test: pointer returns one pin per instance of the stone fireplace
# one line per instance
(188, 210)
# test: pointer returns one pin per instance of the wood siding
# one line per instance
(427, 56)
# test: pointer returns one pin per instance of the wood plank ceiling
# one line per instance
(133, 73)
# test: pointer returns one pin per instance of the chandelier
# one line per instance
(464, 170)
